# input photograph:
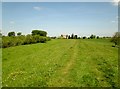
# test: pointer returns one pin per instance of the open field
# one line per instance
(61, 62)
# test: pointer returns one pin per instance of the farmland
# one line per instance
(61, 62)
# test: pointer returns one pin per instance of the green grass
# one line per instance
(61, 62)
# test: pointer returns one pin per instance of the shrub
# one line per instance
(23, 40)
(116, 38)
(42, 39)
(48, 38)
(28, 39)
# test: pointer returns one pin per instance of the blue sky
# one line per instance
(81, 18)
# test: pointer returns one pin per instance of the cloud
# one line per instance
(12, 22)
(115, 2)
(113, 21)
(37, 8)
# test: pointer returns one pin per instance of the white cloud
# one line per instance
(12, 22)
(115, 2)
(37, 8)
(113, 21)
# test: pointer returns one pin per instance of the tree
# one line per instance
(75, 36)
(92, 36)
(84, 37)
(53, 37)
(66, 36)
(11, 34)
(72, 36)
(19, 34)
(39, 32)
(104, 37)
(61, 35)
(116, 38)
(97, 37)
(69, 37)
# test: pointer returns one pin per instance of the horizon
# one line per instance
(56, 18)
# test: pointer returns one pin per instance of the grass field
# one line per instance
(61, 62)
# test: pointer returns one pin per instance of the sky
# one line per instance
(80, 18)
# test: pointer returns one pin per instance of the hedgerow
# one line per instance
(8, 41)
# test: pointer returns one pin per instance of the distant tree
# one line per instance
(78, 37)
(104, 37)
(19, 34)
(97, 37)
(116, 38)
(75, 36)
(69, 37)
(66, 36)
(11, 34)
(88, 37)
(61, 35)
(72, 36)
(53, 37)
(92, 36)
(84, 37)
(39, 32)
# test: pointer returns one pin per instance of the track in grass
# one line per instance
(61, 62)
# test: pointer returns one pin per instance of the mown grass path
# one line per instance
(61, 62)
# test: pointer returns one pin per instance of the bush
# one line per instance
(48, 38)
(42, 39)
(116, 38)
(23, 40)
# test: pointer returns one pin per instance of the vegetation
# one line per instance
(11, 34)
(61, 63)
(116, 38)
(39, 32)
(0, 34)
(97, 37)
(92, 36)
(12, 40)
(19, 34)
(84, 37)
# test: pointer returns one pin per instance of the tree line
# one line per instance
(39, 36)
(115, 39)
(72, 36)
(36, 36)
